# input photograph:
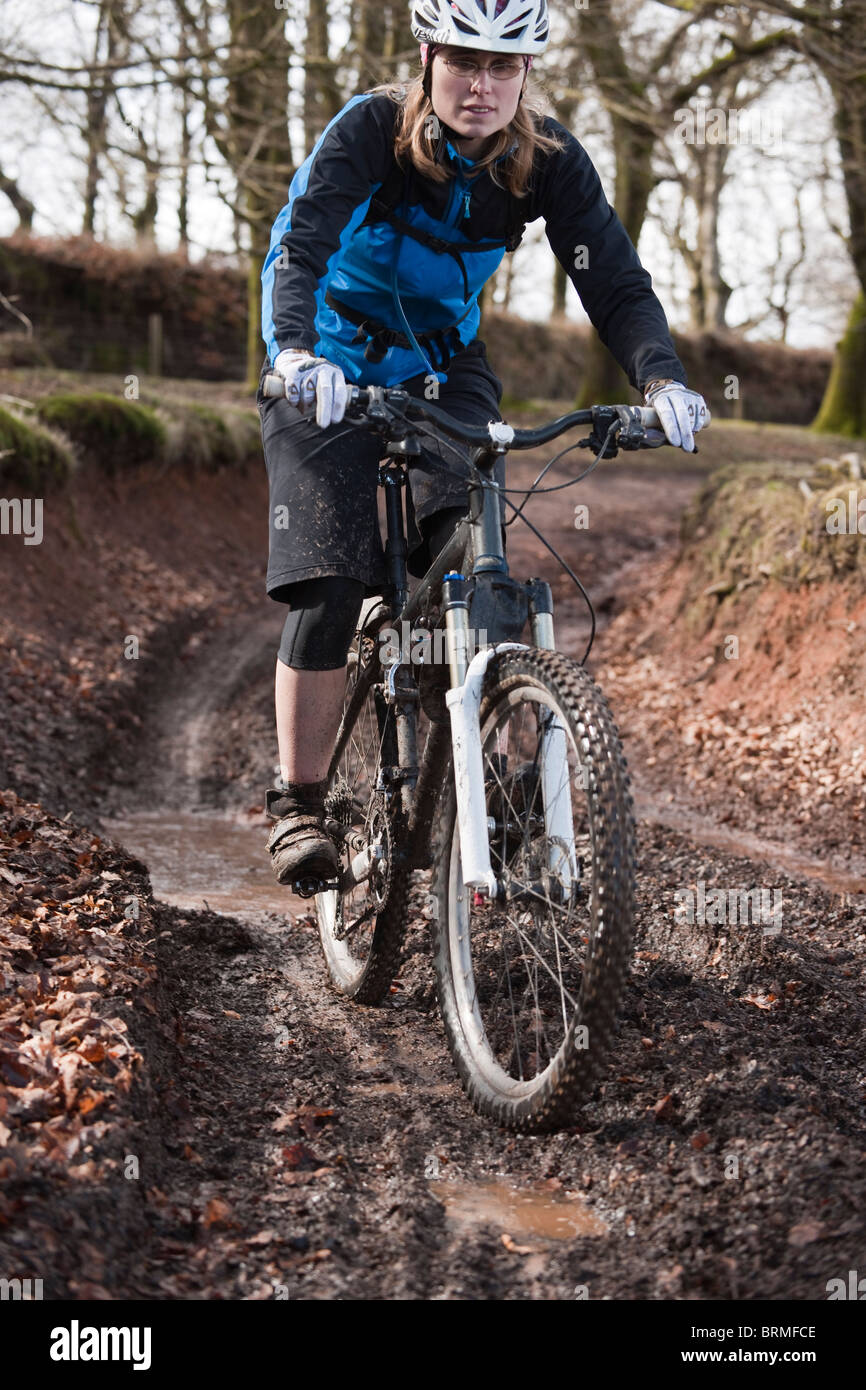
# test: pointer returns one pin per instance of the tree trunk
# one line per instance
(19, 201)
(834, 37)
(564, 108)
(604, 380)
(256, 144)
(402, 38)
(322, 99)
(713, 292)
(560, 289)
(633, 141)
(144, 221)
(850, 122)
(185, 159)
(843, 409)
(370, 42)
(185, 143)
(97, 106)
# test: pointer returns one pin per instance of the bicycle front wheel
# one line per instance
(529, 983)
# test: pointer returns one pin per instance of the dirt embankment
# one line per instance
(131, 574)
(738, 669)
(288, 1144)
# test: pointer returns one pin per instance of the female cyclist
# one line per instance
(397, 218)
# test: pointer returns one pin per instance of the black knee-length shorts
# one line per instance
(324, 517)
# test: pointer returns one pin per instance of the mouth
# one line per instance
(479, 110)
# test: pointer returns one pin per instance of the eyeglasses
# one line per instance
(502, 69)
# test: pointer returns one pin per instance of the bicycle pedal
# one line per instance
(308, 885)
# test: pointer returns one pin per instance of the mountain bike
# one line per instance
(519, 805)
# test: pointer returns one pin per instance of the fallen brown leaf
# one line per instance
(513, 1248)
(806, 1232)
(663, 1108)
(216, 1213)
(761, 1001)
(299, 1156)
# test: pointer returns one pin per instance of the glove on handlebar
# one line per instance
(310, 379)
(681, 412)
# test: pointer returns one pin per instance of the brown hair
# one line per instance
(417, 136)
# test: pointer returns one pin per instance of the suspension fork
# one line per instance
(555, 788)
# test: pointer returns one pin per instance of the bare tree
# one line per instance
(98, 95)
(251, 133)
(833, 37)
(639, 79)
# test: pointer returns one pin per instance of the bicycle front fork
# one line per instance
(464, 702)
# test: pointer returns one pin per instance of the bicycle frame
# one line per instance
(478, 535)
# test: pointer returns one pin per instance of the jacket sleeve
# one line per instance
(593, 247)
(328, 198)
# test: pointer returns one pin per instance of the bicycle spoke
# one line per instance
(527, 959)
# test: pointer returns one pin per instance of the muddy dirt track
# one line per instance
(293, 1144)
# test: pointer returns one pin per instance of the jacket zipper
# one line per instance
(459, 193)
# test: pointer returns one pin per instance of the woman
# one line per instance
(394, 222)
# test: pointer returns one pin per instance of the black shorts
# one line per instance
(323, 484)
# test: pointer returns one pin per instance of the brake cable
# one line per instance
(423, 428)
(557, 487)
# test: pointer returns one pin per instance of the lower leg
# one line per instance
(308, 714)
(308, 706)
(311, 673)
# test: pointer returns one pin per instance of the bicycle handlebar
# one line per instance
(633, 420)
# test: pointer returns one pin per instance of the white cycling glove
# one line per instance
(310, 379)
(681, 412)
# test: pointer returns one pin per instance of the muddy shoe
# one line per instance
(298, 843)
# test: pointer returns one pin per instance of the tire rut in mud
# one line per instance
(722, 1153)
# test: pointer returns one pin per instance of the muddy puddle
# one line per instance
(520, 1212)
(207, 859)
(846, 877)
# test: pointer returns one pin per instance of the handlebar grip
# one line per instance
(274, 385)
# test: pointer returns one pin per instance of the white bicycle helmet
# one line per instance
(495, 26)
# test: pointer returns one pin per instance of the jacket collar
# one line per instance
(463, 161)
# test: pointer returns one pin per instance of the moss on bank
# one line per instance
(110, 432)
(201, 436)
(32, 456)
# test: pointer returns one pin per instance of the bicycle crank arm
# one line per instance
(359, 868)
(354, 838)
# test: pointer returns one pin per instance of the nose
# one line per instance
(482, 80)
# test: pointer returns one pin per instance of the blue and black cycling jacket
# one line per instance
(319, 247)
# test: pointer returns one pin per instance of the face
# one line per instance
(478, 108)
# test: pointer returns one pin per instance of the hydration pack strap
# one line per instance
(440, 343)
(392, 193)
